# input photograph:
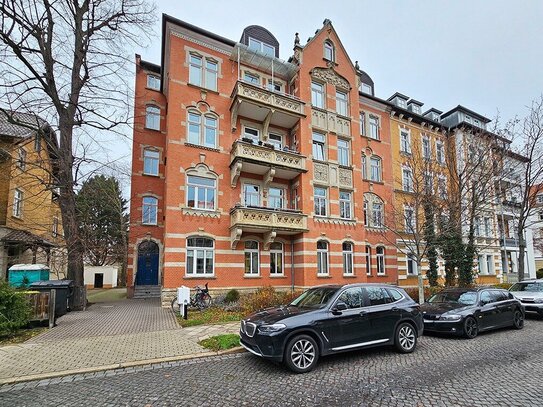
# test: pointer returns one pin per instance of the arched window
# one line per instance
(347, 258)
(151, 159)
(152, 117)
(252, 266)
(200, 256)
(373, 211)
(380, 254)
(329, 52)
(276, 259)
(322, 258)
(202, 129)
(149, 210)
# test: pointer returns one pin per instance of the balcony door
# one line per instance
(251, 195)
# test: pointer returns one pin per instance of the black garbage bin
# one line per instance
(64, 293)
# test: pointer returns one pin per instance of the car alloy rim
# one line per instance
(518, 319)
(302, 354)
(407, 337)
(471, 328)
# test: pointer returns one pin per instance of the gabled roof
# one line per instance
(19, 125)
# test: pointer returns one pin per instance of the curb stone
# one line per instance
(50, 375)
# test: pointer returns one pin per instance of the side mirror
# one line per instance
(340, 306)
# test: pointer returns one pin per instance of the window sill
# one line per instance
(405, 153)
(148, 128)
(192, 85)
(148, 224)
(202, 147)
(324, 276)
(345, 167)
(349, 276)
(151, 175)
(320, 109)
(199, 277)
(278, 276)
(371, 138)
(153, 89)
(251, 276)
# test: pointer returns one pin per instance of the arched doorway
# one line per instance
(147, 273)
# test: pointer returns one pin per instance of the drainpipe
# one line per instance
(292, 264)
(506, 271)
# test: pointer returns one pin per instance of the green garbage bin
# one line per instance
(64, 293)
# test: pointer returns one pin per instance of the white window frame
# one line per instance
(440, 152)
(197, 187)
(376, 220)
(277, 144)
(323, 257)
(21, 159)
(362, 119)
(366, 88)
(203, 125)
(18, 197)
(55, 226)
(319, 144)
(202, 74)
(407, 179)
(273, 197)
(346, 205)
(251, 78)
(151, 158)
(426, 148)
(343, 152)
(364, 167)
(367, 255)
(380, 257)
(197, 250)
(410, 222)
(410, 259)
(152, 117)
(379, 167)
(248, 135)
(321, 199)
(277, 253)
(318, 94)
(261, 46)
(251, 195)
(342, 103)
(405, 143)
(490, 264)
(253, 253)
(329, 49)
(374, 125)
(153, 82)
(348, 256)
(146, 214)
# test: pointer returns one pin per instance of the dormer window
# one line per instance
(416, 109)
(257, 45)
(367, 89)
(401, 103)
(328, 51)
(468, 119)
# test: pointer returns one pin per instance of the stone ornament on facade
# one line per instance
(345, 178)
(320, 172)
(331, 77)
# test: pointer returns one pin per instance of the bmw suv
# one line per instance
(331, 319)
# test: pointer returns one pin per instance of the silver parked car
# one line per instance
(530, 294)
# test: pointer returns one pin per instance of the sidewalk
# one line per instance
(106, 336)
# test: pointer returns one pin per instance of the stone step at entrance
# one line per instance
(147, 291)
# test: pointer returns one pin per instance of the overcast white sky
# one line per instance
(485, 55)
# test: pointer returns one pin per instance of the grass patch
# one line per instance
(20, 336)
(209, 316)
(106, 294)
(221, 342)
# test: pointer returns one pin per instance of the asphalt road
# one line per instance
(501, 368)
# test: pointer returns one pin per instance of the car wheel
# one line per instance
(518, 320)
(470, 328)
(301, 354)
(406, 338)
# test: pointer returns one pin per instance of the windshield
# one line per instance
(528, 287)
(314, 298)
(454, 297)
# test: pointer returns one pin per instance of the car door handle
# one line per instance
(363, 313)
(394, 309)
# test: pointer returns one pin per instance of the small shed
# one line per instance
(20, 275)
(101, 276)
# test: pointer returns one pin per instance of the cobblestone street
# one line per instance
(496, 369)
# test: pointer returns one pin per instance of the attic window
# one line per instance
(365, 88)
(401, 103)
(416, 108)
(257, 45)
(329, 51)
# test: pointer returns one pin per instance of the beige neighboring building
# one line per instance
(30, 220)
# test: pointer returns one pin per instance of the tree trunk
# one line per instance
(521, 251)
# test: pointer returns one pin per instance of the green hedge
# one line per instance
(14, 309)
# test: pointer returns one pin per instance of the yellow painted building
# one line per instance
(30, 220)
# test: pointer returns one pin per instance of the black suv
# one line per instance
(330, 319)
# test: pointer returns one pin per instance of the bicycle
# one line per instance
(200, 300)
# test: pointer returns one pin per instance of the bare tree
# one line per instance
(66, 61)
(527, 136)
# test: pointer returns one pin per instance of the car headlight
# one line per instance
(268, 329)
(452, 317)
(538, 300)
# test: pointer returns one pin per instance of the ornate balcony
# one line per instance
(265, 161)
(269, 221)
(264, 105)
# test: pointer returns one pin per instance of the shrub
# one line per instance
(231, 296)
(14, 309)
(413, 292)
(539, 273)
(265, 297)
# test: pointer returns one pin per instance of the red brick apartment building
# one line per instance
(249, 170)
